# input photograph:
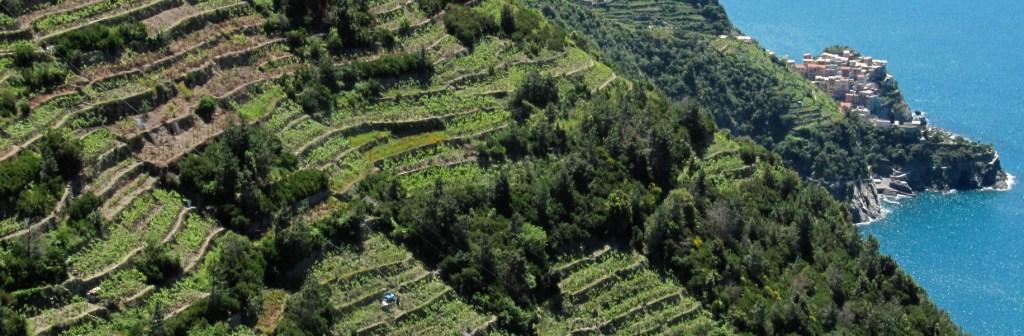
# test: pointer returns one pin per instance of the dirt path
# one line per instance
(202, 250)
(177, 226)
(186, 306)
(609, 81)
(25, 21)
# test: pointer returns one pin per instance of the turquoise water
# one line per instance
(963, 63)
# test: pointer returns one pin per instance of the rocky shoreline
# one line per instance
(983, 172)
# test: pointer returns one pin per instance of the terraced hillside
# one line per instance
(664, 14)
(615, 293)
(150, 305)
(106, 276)
(358, 279)
(136, 113)
(131, 113)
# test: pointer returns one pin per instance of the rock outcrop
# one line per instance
(977, 171)
(955, 166)
(865, 206)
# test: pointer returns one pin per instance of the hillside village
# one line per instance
(853, 80)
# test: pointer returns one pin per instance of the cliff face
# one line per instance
(967, 171)
(865, 203)
(929, 159)
(983, 170)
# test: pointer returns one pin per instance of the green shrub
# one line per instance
(16, 175)
(432, 7)
(309, 314)
(234, 172)
(350, 18)
(297, 186)
(237, 277)
(536, 89)
(507, 20)
(81, 207)
(391, 65)
(316, 99)
(528, 26)
(35, 202)
(109, 40)
(31, 182)
(11, 322)
(43, 75)
(370, 88)
(158, 264)
(9, 102)
(467, 24)
(62, 154)
(207, 106)
(24, 54)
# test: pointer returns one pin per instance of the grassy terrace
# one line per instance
(358, 279)
(154, 218)
(82, 15)
(148, 220)
(164, 303)
(109, 103)
(402, 129)
(111, 86)
(655, 13)
(612, 292)
(424, 179)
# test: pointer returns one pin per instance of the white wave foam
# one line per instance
(1010, 182)
(885, 206)
(887, 202)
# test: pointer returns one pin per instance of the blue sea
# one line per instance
(963, 63)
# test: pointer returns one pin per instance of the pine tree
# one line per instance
(508, 20)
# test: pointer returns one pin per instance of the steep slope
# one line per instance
(613, 293)
(752, 93)
(225, 167)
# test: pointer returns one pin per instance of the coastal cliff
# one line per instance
(959, 170)
(866, 203)
(935, 160)
(904, 153)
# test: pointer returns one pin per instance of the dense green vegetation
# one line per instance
(349, 22)
(773, 256)
(467, 24)
(36, 72)
(32, 182)
(276, 167)
(246, 176)
(765, 251)
(28, 264)
(106, 41)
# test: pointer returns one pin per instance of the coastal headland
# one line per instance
(941, 160)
